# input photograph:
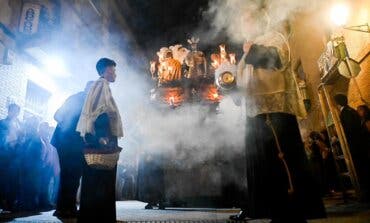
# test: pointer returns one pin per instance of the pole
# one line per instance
(343, 142)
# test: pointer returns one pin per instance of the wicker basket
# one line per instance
(102, 161)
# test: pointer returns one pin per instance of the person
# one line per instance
(329, 162)
(350, 120)
(100, 124)
(279, 186)
(358, 147)
(31, 166)
(364, 113)
(69, 145)
(10, 134)
(322, 162)
(50, 169)
(150, 177)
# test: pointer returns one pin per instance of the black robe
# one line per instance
(10, 163)
(359, 148)
(267, 177)
(150, 179)
(98, 201)
(267, 181)
(69, 145)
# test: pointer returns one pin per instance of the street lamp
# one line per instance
(346, 66)
(339, 14)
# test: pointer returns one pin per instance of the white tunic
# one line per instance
(268, 90)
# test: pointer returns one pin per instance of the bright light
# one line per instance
(339, 14)
(39, 77)
(55, 66)
(55, 102)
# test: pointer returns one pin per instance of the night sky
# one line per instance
(159, 23)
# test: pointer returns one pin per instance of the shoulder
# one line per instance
(4, 123)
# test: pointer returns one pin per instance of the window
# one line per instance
(36, 99)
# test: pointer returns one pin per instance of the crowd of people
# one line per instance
(42, 168)
(29, 165)
(322, 148)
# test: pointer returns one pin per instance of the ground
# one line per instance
(133, 211)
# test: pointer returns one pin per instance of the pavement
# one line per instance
(134, 212)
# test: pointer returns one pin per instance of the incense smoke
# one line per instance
(245, 19)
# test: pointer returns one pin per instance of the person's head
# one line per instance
(88, 86)
(106, 69)
(363, 111)
(324, 134)
(341, 99)
(315, 136)
(13, 111)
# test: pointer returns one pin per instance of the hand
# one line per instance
(247, 46)
(103, 141)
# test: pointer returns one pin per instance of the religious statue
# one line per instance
(195, 60)
(169, 68)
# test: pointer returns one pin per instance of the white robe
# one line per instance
(267, 90)
(99, 101)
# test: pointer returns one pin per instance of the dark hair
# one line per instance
(103, 63)
(367, 111)
(13, 106)
(341, 99)
(315, 135)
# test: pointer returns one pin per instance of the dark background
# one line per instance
(162, 23)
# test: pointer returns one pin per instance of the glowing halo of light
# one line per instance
(55, 66)
(339, 14)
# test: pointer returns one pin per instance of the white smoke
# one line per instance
(190, 133)
(245, 19)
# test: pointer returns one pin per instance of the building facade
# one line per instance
(33, 33)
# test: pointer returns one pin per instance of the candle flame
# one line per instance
(232, 58)
(215, 64)
(172, 100)
(152, 67)
(223, 53)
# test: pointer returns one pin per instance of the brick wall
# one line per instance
(363, 81)
(358, 44)
(13, 84)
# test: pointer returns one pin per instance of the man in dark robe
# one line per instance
(101, 126)
(69, 145)
(9, 165)
(31, 166)
(279, 186)
(351, 123)
(150, 181)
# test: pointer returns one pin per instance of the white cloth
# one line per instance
(99, 100)
(269, 91)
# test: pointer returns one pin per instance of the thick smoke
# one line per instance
(190, 133)
(245, 19)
